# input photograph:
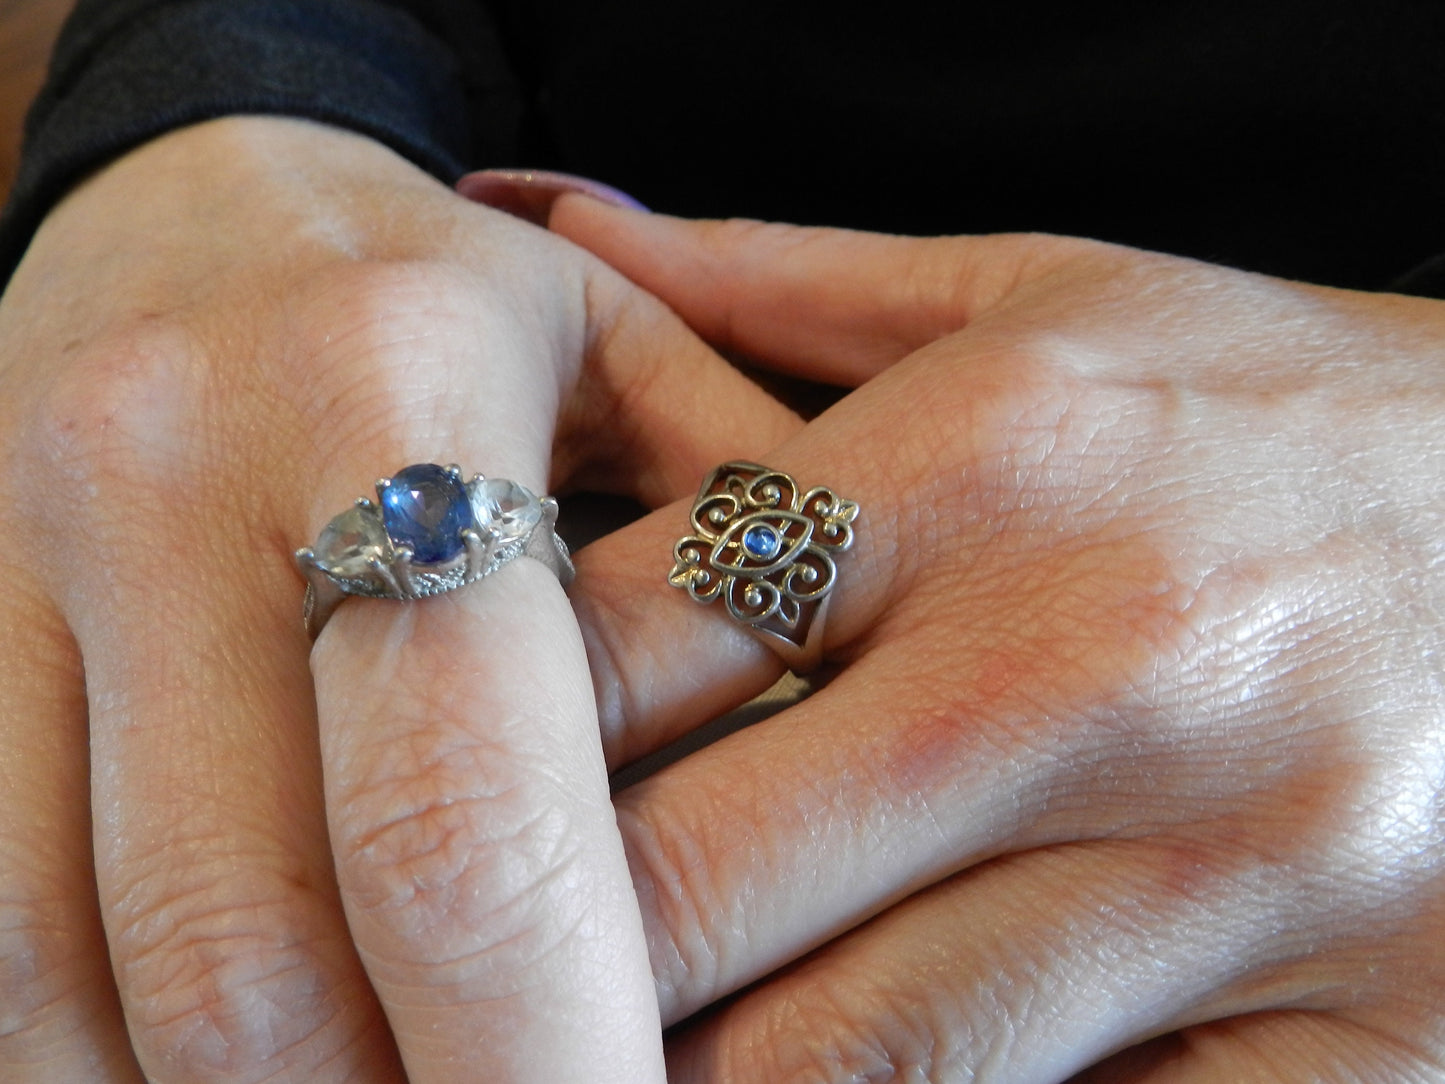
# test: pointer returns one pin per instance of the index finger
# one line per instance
(827, 304)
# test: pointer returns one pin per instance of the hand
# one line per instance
(1133, 739)
(210, 867)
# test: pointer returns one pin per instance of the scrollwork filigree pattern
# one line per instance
(767, 549)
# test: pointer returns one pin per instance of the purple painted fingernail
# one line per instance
(530, 193)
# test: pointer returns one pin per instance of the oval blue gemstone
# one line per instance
(426, 509)
(761, 542)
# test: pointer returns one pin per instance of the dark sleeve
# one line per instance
(411, 73)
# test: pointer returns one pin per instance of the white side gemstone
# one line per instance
(504, 507)
(349, 541)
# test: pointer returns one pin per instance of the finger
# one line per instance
(653, 404)
(60, 1016)
(838, 306)
(953, 490)
(513, 976)
(1281, 1047)
(941, 788)
(831, 305)
(530, 193)
(1033, 967)
(1047, 723)
(484, 878)
(221, 908)
(663, 664)
(477, 854)
(229, 946)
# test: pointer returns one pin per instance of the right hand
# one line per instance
(1134, 736)
(216, 864)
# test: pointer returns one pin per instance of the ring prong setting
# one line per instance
(428, 531)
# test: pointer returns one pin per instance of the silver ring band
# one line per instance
(766, 547)
(427, 532)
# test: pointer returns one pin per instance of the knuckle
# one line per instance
(221, 981)
(444, 875)
(120, 434)
(120, 406)
(357, 314)
(823, 1035)
(377, 345)
(367, 296)
(1364, 804)
(40, 987)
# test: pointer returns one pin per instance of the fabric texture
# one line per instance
(125, 71)
(1301, 138)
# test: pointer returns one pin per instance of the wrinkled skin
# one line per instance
(216, 863)
(1134, 733)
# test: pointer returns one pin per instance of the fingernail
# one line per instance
(530, 193)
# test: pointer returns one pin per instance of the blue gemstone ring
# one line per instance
(766, 547)
(428, 531)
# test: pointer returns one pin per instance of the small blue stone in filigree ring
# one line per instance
(762, 542)
(767, 549)
(428, 531)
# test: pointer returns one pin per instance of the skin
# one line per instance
(226, 855)
(1132, 732)
(1129, 760)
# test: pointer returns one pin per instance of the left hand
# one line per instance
(1136, 727)
(400, 862)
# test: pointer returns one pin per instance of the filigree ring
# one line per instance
(428, 531)
(766, 547)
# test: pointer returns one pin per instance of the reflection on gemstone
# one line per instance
(510, 510)
(762, 542)
(349, 541)
(426, 508)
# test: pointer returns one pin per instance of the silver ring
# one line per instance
(427, 532)
(766, 547)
